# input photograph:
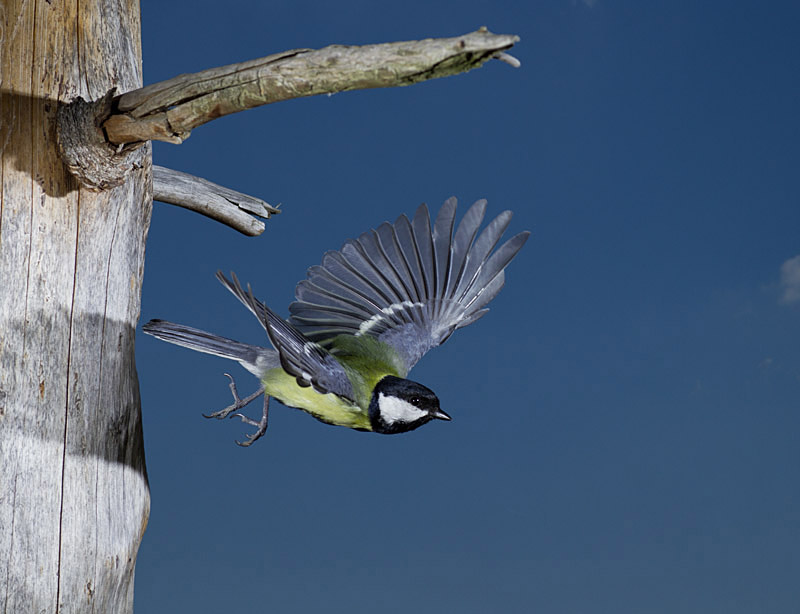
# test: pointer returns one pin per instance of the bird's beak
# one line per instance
(441, 415)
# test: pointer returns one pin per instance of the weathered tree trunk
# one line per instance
(74, 499)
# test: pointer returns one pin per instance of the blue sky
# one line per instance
(625, 419)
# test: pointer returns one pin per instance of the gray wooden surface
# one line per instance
(74, 499)
(227, 206)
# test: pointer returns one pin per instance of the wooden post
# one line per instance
(74, 499)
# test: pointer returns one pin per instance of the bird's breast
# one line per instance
(327, 408)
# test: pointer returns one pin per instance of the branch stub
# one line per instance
(83, 147)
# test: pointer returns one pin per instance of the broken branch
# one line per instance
(215, 201)
(171, 109)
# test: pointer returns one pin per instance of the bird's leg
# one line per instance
(237, 402)
(262, 424)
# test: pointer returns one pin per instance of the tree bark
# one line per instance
(74, 499)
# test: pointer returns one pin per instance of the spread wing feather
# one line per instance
(442, 232)
(408, 284)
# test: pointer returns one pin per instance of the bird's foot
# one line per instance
(261, 424)
(237, 402)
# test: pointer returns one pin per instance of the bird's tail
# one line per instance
(257, 360)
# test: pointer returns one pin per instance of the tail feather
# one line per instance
(257, 360)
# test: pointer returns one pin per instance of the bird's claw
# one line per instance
(261, 424)
(239, 403)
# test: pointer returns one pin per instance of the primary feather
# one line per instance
(407, 284)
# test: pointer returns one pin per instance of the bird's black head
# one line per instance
(400, 405)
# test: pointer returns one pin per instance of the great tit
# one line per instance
(363, 318)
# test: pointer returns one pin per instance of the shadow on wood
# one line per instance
(20, 108)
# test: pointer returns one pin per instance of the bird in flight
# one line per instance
(363, 318)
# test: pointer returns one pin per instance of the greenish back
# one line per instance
(366, 361)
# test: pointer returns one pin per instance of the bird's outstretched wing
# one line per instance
(309, 362)
(407, 284)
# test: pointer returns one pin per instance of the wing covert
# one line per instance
(308, 362)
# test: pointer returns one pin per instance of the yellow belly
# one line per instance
(324, 407)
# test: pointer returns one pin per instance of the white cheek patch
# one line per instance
(397, 410)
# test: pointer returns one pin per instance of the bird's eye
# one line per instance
(416, 401)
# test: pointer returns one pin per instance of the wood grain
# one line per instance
(222, 204)
(74, 499)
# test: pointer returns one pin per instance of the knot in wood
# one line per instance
(83, 146)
